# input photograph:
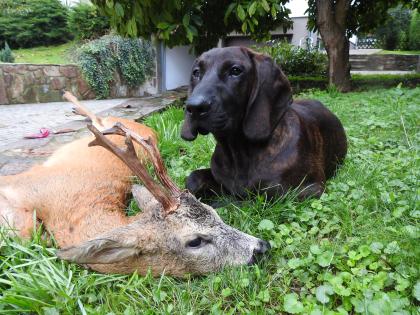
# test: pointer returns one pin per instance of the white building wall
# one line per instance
(178, 63)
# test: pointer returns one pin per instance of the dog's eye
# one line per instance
(235, 71)
(196, 73)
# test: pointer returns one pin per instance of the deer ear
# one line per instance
(271, 95)
(99, 251)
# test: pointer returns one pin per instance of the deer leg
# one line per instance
(144, 198)
(17, 222)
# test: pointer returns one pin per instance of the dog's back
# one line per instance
(321, 122)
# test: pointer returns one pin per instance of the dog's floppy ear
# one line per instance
(270, 97)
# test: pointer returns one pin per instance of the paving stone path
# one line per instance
(16, 121)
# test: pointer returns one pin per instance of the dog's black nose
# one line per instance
(198, 105)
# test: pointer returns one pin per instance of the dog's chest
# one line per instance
(240, 172)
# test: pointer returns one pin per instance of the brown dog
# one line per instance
(265, 141)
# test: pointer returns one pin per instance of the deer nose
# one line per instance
(262, 248)
(198, 106)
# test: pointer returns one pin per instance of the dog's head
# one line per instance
(233, 90)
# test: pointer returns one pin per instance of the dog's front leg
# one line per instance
(202, 184)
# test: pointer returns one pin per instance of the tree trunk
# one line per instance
(331, 23)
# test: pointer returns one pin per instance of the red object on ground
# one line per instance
(43, 133)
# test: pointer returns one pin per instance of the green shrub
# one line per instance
(414, 32)
(358, 82)
(295, 60)
(86, 22)
(392, 34)
(28, 23)
(6, 54)
(133, 59)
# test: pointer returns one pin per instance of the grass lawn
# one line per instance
(45, 54)
(355, 250)
(399, 52)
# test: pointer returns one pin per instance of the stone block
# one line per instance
(18, 86)
(29, 78)
(58, 83)
(49, 96)
(82, 86)
(8, 79)
(38, 73)
(3, 96)
(15, 68)
(52, 71)
(29, 95)
(69, 71)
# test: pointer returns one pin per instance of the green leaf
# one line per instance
(110, 3)
(295, 263)
(241, 12)
(265, 5)
(292, 304)
(252, 8)
(244, 27)
(266, 225)
(229, 11)
(322, 293)
(186, 20)
(163, 25)
(324, 260)
(264, 296)
(244, 282)
(190, 35)
(416, 290)
(380, 305)
(315, 249)
(119, 10)
(273, 11)
(376, 247)
(226, 292)
(364, 250)
(392, 248)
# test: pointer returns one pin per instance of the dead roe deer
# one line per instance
(80, 193)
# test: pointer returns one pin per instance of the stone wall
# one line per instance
(385, 62)
(31, 83)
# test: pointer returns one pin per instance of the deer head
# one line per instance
(175, 233)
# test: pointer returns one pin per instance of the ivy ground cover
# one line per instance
(354, 251)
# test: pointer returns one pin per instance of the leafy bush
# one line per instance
(393, 33)
(358, 82)
(28, 23)
(86, 22)
(133, 59)
(295, 60)
(414, 32)
(6, 54)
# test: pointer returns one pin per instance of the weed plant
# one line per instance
(353, 251)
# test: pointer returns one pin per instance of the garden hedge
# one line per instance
(359, 82)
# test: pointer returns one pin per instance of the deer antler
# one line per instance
(169, 201)
(79, 109)
(153, 152)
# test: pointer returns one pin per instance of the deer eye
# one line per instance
(195, 243)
